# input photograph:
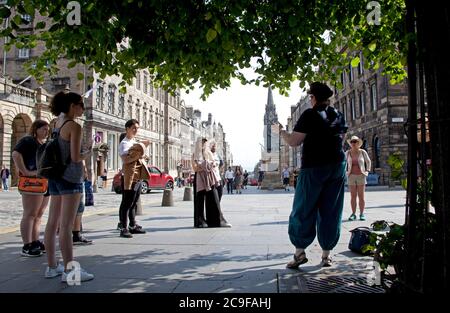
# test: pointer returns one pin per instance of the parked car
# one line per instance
(157, 181)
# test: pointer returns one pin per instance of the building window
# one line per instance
(138, 111)
(145, 83)
(112, 157)
(360, 64)
(344, 108)
(99, 99)
(362, 103)
(151, 90)
(138, 80)
(343, 79)
(24, 53)
(352, 106)
(350, 73)
(376, 151)
(373, 96)
(111, 98)
(121, 107)
(60, 83)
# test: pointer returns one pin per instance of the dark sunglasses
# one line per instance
(81, 104)
(354, 141)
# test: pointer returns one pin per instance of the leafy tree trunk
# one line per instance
(433, 28)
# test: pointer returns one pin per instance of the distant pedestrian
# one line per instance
(104, 178)
(229, 177)
(319, 195)
(245, 181)
(238, 180)
(24, 156)
(66, 191)
(260, 177)
(285, 177)
(358, 167)
(4, 174)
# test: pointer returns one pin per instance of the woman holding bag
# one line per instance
(24, 156)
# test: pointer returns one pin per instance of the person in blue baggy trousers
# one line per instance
(319, 194)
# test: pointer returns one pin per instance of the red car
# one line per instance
(157, 181)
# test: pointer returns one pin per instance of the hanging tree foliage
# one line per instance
(211, 42)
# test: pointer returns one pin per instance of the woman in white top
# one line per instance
(358, 167)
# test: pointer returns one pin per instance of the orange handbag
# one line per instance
(32, 185)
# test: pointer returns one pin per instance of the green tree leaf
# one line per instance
(211, 35)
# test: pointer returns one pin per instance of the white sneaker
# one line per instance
(84, 276)
(53, 272)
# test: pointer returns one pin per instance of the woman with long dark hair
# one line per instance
(24, 156)
(66, 191)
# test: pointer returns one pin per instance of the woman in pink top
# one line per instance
(358, 167)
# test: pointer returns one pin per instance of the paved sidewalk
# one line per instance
(174, 257)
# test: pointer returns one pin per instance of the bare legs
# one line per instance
(62, 212)
(33, 209)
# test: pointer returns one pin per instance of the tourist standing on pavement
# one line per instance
(66, 191)
(206, 197)
(229, 176)
(134, 170)
(358, 167)
(285, 178)
(217, 167)
(319, 195)
(24, 156)
(4, 174)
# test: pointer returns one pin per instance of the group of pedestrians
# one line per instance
(236, 180)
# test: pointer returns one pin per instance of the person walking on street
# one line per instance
(285, 178)
(66, 190)
(4, 174)
(24, 157)
(319, 195)
(229, 176)
(134, 171)
(358, 167)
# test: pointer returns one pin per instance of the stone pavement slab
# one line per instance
(174, 257)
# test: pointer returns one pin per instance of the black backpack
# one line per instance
(50, 163)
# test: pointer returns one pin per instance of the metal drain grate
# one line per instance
(336, 284)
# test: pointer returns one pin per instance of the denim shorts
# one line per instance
(59, 186)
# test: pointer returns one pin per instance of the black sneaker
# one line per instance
(136, 229)
(81, 240)
(31, 250)
(119, 226)
(39, 245)
(125, 233)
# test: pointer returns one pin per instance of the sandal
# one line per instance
(297, 261)
(327, 262)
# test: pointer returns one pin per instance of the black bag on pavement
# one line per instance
(359, 238)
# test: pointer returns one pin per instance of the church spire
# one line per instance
(270, 116)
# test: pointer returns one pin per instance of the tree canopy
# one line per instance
(212, 41)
